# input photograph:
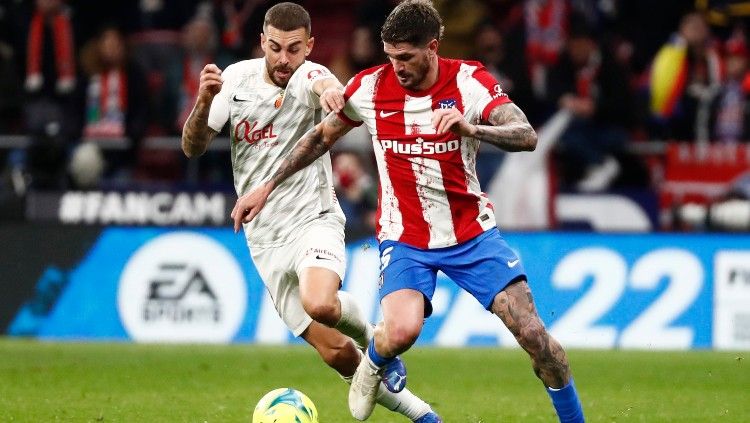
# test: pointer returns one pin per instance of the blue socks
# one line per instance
(376, 358)
(566, 403)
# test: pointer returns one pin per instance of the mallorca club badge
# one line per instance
(279, 100)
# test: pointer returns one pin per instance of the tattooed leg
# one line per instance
(515, 306)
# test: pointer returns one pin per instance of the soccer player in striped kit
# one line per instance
(427, 115)
(297, 245)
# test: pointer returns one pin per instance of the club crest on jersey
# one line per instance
(447, 103)
(279, 100)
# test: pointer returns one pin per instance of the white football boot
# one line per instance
(364, 389)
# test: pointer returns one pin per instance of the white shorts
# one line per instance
(319, 245)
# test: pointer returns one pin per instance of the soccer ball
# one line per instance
(285, 405)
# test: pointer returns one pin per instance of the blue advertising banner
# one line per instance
(600, 291)
(161, 285)
(647, 291)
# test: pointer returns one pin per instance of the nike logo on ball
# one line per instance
(385, 114)
(318, 257)
(513, 263)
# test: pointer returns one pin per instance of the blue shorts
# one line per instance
(482, 266)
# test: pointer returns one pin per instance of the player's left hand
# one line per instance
(332, 99)
(444, 120)
(249, 205)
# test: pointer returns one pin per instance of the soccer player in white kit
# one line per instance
(297, 243)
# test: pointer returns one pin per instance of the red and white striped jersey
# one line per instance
(429, 194)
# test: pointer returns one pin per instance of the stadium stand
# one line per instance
(682, 141)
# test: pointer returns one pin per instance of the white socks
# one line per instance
(404, 402)
(353, 322)
(354, 325)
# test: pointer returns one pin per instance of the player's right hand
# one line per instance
(210, 82)
(249, 205)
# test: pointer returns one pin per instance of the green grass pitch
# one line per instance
(98, 382)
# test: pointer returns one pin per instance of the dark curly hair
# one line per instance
(415, 22)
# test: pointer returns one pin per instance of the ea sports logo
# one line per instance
(182, 287)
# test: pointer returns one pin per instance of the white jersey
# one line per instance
(266, 122)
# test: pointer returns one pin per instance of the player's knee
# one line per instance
(322, 311)
(402, 335)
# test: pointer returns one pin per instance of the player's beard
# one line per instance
(272, 74)
(415, 78)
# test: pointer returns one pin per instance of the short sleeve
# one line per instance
(302, 90)
(488, 93)
(219, 112)
(349, 113)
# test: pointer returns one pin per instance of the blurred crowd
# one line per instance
(88, 82)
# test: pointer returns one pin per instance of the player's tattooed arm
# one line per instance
(196, 135)
(311, 146)
(509, 130)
